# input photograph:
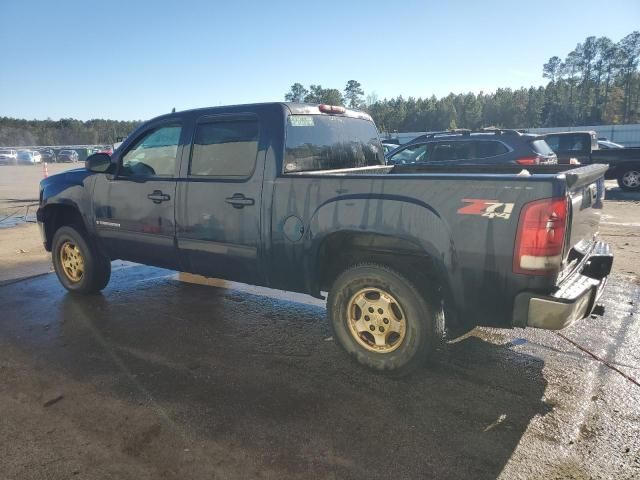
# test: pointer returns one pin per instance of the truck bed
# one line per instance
(426, 205)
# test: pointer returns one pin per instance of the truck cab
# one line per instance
(573, 145)
(583, 148)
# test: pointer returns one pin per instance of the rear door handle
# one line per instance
(238, 200)
(158, 197)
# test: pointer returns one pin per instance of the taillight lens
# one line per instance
(528, 161)
(540, 237)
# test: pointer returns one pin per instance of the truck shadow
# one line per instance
(261, 379)
(616, 193)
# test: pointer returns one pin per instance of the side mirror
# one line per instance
(98, 163)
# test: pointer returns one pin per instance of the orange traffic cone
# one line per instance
(45, 172)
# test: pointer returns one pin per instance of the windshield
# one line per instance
(326, 142)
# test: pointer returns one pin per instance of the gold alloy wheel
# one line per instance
(72, 261)
(376, 320)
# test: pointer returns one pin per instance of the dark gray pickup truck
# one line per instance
(624, 163)
(298, 197)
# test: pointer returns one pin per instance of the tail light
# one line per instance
(540, 237)
(535, 160)
(331, 109)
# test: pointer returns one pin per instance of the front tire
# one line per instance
(382, 320)
(629, 179)
(79, 265)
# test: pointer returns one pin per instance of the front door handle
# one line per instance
(158, 197)
(238, 200)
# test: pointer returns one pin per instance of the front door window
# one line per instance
(154, 155)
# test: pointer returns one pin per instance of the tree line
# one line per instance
(597, 83)
(66, 131)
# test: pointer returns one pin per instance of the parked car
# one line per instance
(480, 147)
(67, 156)
(108, 150)
(48, 155)
(298, 197)
(606, 144)
(29, 157)
(624, 163)
(8, 156)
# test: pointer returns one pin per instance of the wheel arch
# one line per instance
(55, 215)
(343, 249)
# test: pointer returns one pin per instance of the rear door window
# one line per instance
(490, 148)
(225, 148)
(465, 150)
(447, 151)
(443, 152)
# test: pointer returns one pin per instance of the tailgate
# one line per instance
(585, 189)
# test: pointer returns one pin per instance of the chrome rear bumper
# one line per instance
(574, 299)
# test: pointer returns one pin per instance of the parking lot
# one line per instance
(157, 378)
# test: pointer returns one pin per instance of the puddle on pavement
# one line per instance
(15, 220)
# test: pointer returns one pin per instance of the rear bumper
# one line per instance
(574, 299)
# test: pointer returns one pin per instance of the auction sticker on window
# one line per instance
(301, 120)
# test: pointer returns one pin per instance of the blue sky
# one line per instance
(138, 59)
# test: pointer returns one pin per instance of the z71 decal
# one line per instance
(486, 208)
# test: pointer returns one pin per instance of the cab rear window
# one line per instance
(327, 142)
(541, 147)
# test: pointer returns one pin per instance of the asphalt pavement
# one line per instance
(156, 378)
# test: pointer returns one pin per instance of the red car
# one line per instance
(107, 150)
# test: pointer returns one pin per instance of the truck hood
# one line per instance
(75, 176)
(55, 184)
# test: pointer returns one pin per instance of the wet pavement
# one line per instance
(156, 378)
(18, 218)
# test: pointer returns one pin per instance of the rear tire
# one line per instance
(79, 265)
(382, 320)
(629, 179)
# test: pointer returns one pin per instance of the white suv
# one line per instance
(29, 157)
(8, 157)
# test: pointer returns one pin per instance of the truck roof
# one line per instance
(292, 107)
(570, 132)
